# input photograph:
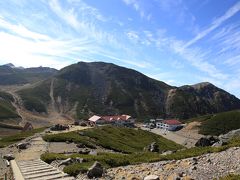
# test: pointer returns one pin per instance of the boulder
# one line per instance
(228, 136)
(93, 152)
(8, 157)
(79, 160)
(153, 147)
(151, 177)
(95, 171)
(59, 127)
(23, 145)
(84, 151)
(206, 141)
(80, 145)
(66, 162)
(167, 152)
(219, 143)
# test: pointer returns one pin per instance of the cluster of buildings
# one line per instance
(119, 120)
(128, 121)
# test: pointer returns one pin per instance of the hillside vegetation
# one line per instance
(220, 123)
(119, 139)
(6, 108)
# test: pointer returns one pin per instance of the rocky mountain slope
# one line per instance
(83, 89)
(11, 75)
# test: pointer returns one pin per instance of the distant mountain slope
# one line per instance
(83, 89)
(10, 75)
(199, 99)
(7, 110)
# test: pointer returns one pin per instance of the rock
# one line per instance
(193, 168)
(228, 136)
(206, 141)
(92, 152)
(84, 151)
(8, 157)
(79, 160)
(195, 161)
(219, 143)
(66, 162)
(153, 147)
(95, 171)
(80, 145)
(59, 127)
(151, 177)
(81, 133)
(182, 174)
(167, 152)
(22, 145)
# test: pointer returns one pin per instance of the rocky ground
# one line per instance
(204, 167)
(207, 166)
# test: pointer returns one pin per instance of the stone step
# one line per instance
(58, 176)
(32, 165)
(30, 161)
(36, 169)
(67, 178)
(40, 171)
(44, 174)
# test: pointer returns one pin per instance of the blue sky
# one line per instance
(175, 41)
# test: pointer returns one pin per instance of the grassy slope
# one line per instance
(6, 141)
(36, 98)
(220, 123)
(114, 160)
(6, 108)
(117, 138)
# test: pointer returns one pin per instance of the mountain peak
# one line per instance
(202, 85)
(9, 65)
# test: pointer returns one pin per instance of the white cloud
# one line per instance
(21, 30)
(133, 36)
(215, 24)
(139, 8)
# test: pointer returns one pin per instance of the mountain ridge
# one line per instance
(83, 89)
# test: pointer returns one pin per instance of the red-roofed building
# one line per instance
(122, 120)
(170, 124)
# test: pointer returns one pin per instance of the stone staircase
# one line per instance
(39, 170)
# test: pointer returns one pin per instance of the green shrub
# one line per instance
(126, 140)
(221, 123)
(76, 168)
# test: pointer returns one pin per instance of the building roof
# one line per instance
(110, 118)
(94, 118)
(172, 122)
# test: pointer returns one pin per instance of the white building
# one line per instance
(170, 125)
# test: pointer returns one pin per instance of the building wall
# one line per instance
(166, 126)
